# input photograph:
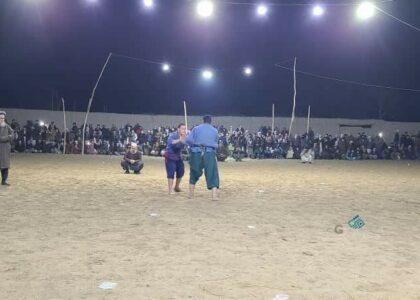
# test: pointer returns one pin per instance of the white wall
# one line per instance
(319, 125)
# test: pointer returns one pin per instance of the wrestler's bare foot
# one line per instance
(215, 194)
(177, 184)
(191, 192)
(170, 186)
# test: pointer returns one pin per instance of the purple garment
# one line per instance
(173, 151)
(174, 166)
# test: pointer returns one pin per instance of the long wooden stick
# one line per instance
(272, 120)
(65, 126)
(294, 99)
(90, 102)
(185, 115)
(309, 116)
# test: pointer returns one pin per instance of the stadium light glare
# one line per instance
(262, 10)
(365, 11)
(207, 74)
(92, 1)
(318, 10)
(148, 4)
(166, 68)
(248, 71)
(205, 8)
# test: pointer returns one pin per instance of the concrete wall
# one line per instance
(319, 125)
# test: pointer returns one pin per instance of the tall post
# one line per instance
(185, 115)
(65, 126)
(294, 98)
(272, 120)
(52, 100)
(90, 102)
(309, 117)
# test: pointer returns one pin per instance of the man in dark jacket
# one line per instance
(132, 160)
(6, 136)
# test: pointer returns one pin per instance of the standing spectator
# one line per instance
(6, 135)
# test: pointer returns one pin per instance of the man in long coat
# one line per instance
(6, 136)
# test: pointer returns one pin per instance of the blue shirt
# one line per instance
(173, 151)
(203, 135)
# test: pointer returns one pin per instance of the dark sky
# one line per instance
(56, 48)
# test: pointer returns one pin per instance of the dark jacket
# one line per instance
(6, 137)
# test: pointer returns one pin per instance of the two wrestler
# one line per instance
(203, 142)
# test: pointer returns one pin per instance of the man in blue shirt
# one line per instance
(203, 142)
(173, 159)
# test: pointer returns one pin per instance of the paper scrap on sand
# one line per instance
(356, 223)
(251, 227)
(281, 297)
(154, 215)
(107, 285)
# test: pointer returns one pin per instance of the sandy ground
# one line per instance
(67, 224)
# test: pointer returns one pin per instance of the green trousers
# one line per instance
(208, 162)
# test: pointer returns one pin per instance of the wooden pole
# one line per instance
(90, 102)
(309, 116)
(294, 99)
(185, 115)
(272, 120)
(65, 126)
(52, 100)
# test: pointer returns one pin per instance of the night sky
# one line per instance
(56, 48)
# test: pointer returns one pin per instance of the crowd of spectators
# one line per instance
(239, 143)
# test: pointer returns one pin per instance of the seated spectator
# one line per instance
(238, 154)
(307, 156)
(395, 153)
(132, 160)
(90, 147)
(104, 147)
(74, 148)
(351, 155)
(222, 152)
(290, 153)
(372, 154)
